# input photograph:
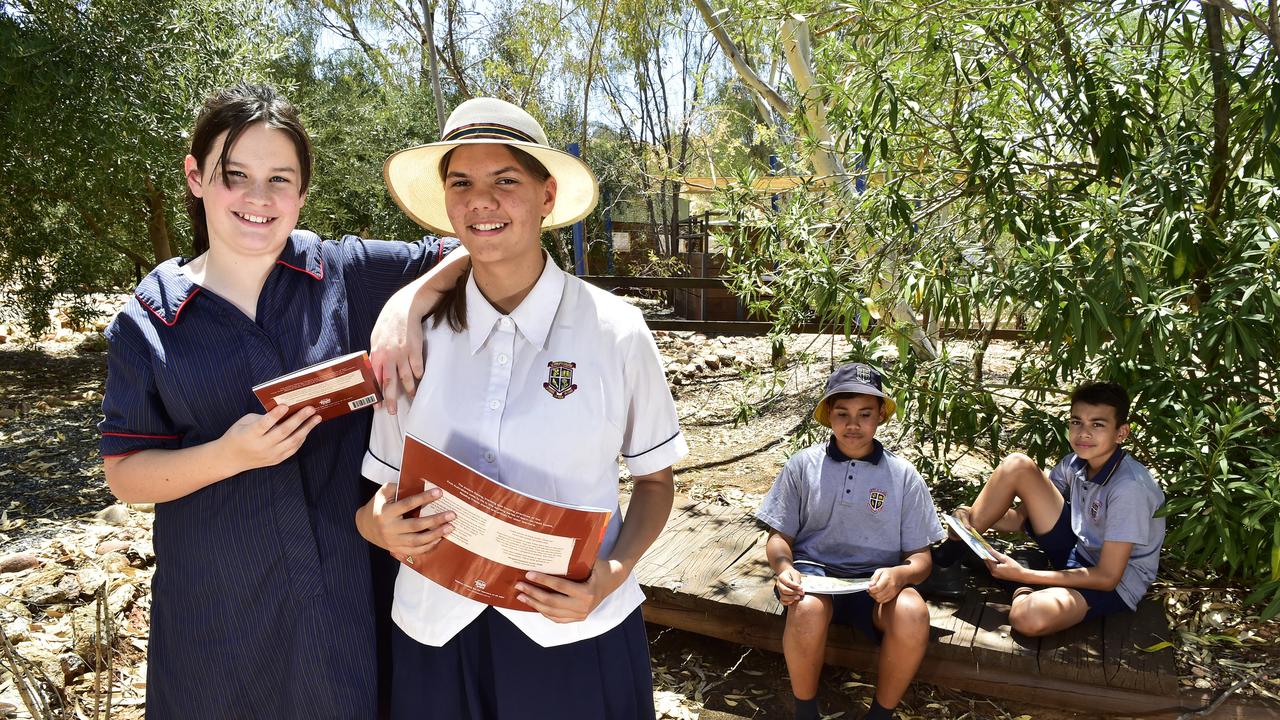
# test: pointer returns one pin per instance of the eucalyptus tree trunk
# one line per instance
(429, 48)
(591, 71)
(825, 160)
(157, 226)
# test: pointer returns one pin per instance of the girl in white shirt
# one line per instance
(500, 347)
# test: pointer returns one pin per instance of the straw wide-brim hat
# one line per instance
(413, 175)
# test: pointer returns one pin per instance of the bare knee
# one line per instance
(1028, 618)
(809, 613)
(1017, 464)
(907, 616)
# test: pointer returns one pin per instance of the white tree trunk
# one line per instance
(826, 162)
(795, 47)
(748, 75)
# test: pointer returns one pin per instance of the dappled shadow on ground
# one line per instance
(50, 404)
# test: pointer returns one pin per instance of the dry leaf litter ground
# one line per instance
(75, 567)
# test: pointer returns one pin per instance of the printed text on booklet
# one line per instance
(333, 387)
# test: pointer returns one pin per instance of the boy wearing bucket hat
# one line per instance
(541, 382)
(850, 508)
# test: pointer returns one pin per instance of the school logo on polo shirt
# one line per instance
(560, 379)
(875, 500)
(1095, 508)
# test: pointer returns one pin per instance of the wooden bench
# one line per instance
(707, 574)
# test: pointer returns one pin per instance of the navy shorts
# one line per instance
(1059, 544)
(857, 610)
(492, 671)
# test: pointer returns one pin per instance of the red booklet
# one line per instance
(333, 387)
(499, 533)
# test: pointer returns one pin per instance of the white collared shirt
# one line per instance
(488, 399)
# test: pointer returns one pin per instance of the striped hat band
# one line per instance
(488, 130)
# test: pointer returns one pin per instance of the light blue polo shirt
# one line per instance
(1117, 505)
(853, 516)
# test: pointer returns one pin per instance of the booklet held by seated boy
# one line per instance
(821, 585)
(333, 387)
(976, 542)
(499, 533)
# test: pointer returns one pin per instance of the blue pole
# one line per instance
(579, 231)
(774, 165)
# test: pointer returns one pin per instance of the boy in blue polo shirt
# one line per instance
(1093, 515)
(849, 508)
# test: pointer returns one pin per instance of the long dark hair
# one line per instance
(231, 110)
(453, 305)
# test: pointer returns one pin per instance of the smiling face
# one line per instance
(1094, 432)
(854, 419)
(495, 204)
(255, 209)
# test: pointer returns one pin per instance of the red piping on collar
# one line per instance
(177, 312)
(317, 276)
(149, 437)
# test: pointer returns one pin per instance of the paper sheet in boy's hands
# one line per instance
(976, 542)
(832, 585)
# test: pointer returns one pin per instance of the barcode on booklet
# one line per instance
(365, 401)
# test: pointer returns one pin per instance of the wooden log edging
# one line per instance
(707, 574)
(763, 630)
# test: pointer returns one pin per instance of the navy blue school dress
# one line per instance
(262, 601)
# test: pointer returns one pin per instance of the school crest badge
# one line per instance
(1095, 508)
(875, 500)
(560, 379)
(862, 374)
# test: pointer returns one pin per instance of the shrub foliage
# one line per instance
(1100, 174)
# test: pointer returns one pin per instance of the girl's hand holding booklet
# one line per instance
(499, 532)
(333, 387)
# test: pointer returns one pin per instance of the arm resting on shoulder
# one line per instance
(396, 341)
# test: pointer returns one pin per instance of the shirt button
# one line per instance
(489, 456)
(502, 359)
(846, 492)
(505, 322)
(494, 404)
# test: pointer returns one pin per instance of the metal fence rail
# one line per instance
(756, 327)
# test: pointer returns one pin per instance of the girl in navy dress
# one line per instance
(262, 603)
(541, 382)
